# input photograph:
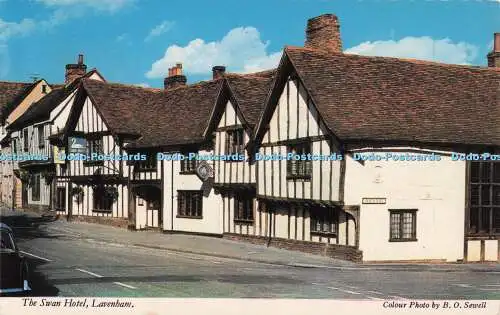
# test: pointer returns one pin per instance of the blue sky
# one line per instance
(136, 41)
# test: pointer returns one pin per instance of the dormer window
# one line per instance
(234, 142)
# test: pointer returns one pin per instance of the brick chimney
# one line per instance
(494, 56)
(175, 77)
(74, 71)
(323, 32)
(218, 72)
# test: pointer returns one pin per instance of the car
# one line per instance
(13, 265)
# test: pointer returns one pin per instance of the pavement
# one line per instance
(80, 259)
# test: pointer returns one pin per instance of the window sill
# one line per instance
(147, 169)
(402, 240)
(243, 221)
(327, 234)
(189, 217)
(187, 172)
(302, 178)
(92, 163)
(102, 211)
(233, 161)
(484, 235)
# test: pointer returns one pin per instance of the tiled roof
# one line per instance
(250, 91)
(178, 116)
(389, 99)
(40, 110)
(11, 93)
(125, 108)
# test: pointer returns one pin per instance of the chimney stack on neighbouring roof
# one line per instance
(494, 56)
(323, 32)
(218, 72)
(74, 71)
(175, 77)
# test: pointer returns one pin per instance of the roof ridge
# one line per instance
(16, 82)
(408, 60)
(138, 87)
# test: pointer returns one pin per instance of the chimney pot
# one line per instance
(74, 71)
(496, 42)
(323, 32)
(175, 77)
(218, 72)
(494, 55)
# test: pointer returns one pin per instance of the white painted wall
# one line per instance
(212, 204)
(436, 189)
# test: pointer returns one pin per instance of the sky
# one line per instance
(136, 41)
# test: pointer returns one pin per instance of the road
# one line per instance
(64, 264)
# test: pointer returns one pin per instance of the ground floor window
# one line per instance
(61, 198)
(403, 225)
(484, 220)
(324, 220)
(102, 200)
(243, 208)
(35, 188)
(484, 198)
(190, 203)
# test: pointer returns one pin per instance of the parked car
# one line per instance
(13, 265)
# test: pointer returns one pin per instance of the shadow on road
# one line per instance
(40, 285)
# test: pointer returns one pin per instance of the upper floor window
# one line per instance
(94, 145)
(484, 197)
(403, 225)
(44, 89)
(300, 165)
(234, 141)
(149, 164)
(26, 139)
(41, 136)
(14, 146)
(187, 165)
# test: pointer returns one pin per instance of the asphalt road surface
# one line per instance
(64, 265)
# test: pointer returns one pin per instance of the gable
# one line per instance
(294, 116)
(34, 95)
(60, 114)
(90, 120)
(398, 101)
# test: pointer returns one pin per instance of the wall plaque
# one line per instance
(374, 201)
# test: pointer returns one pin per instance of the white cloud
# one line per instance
(240, 50)
(160, 29)
(424, 48)
(11, 29)
(104, 5)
